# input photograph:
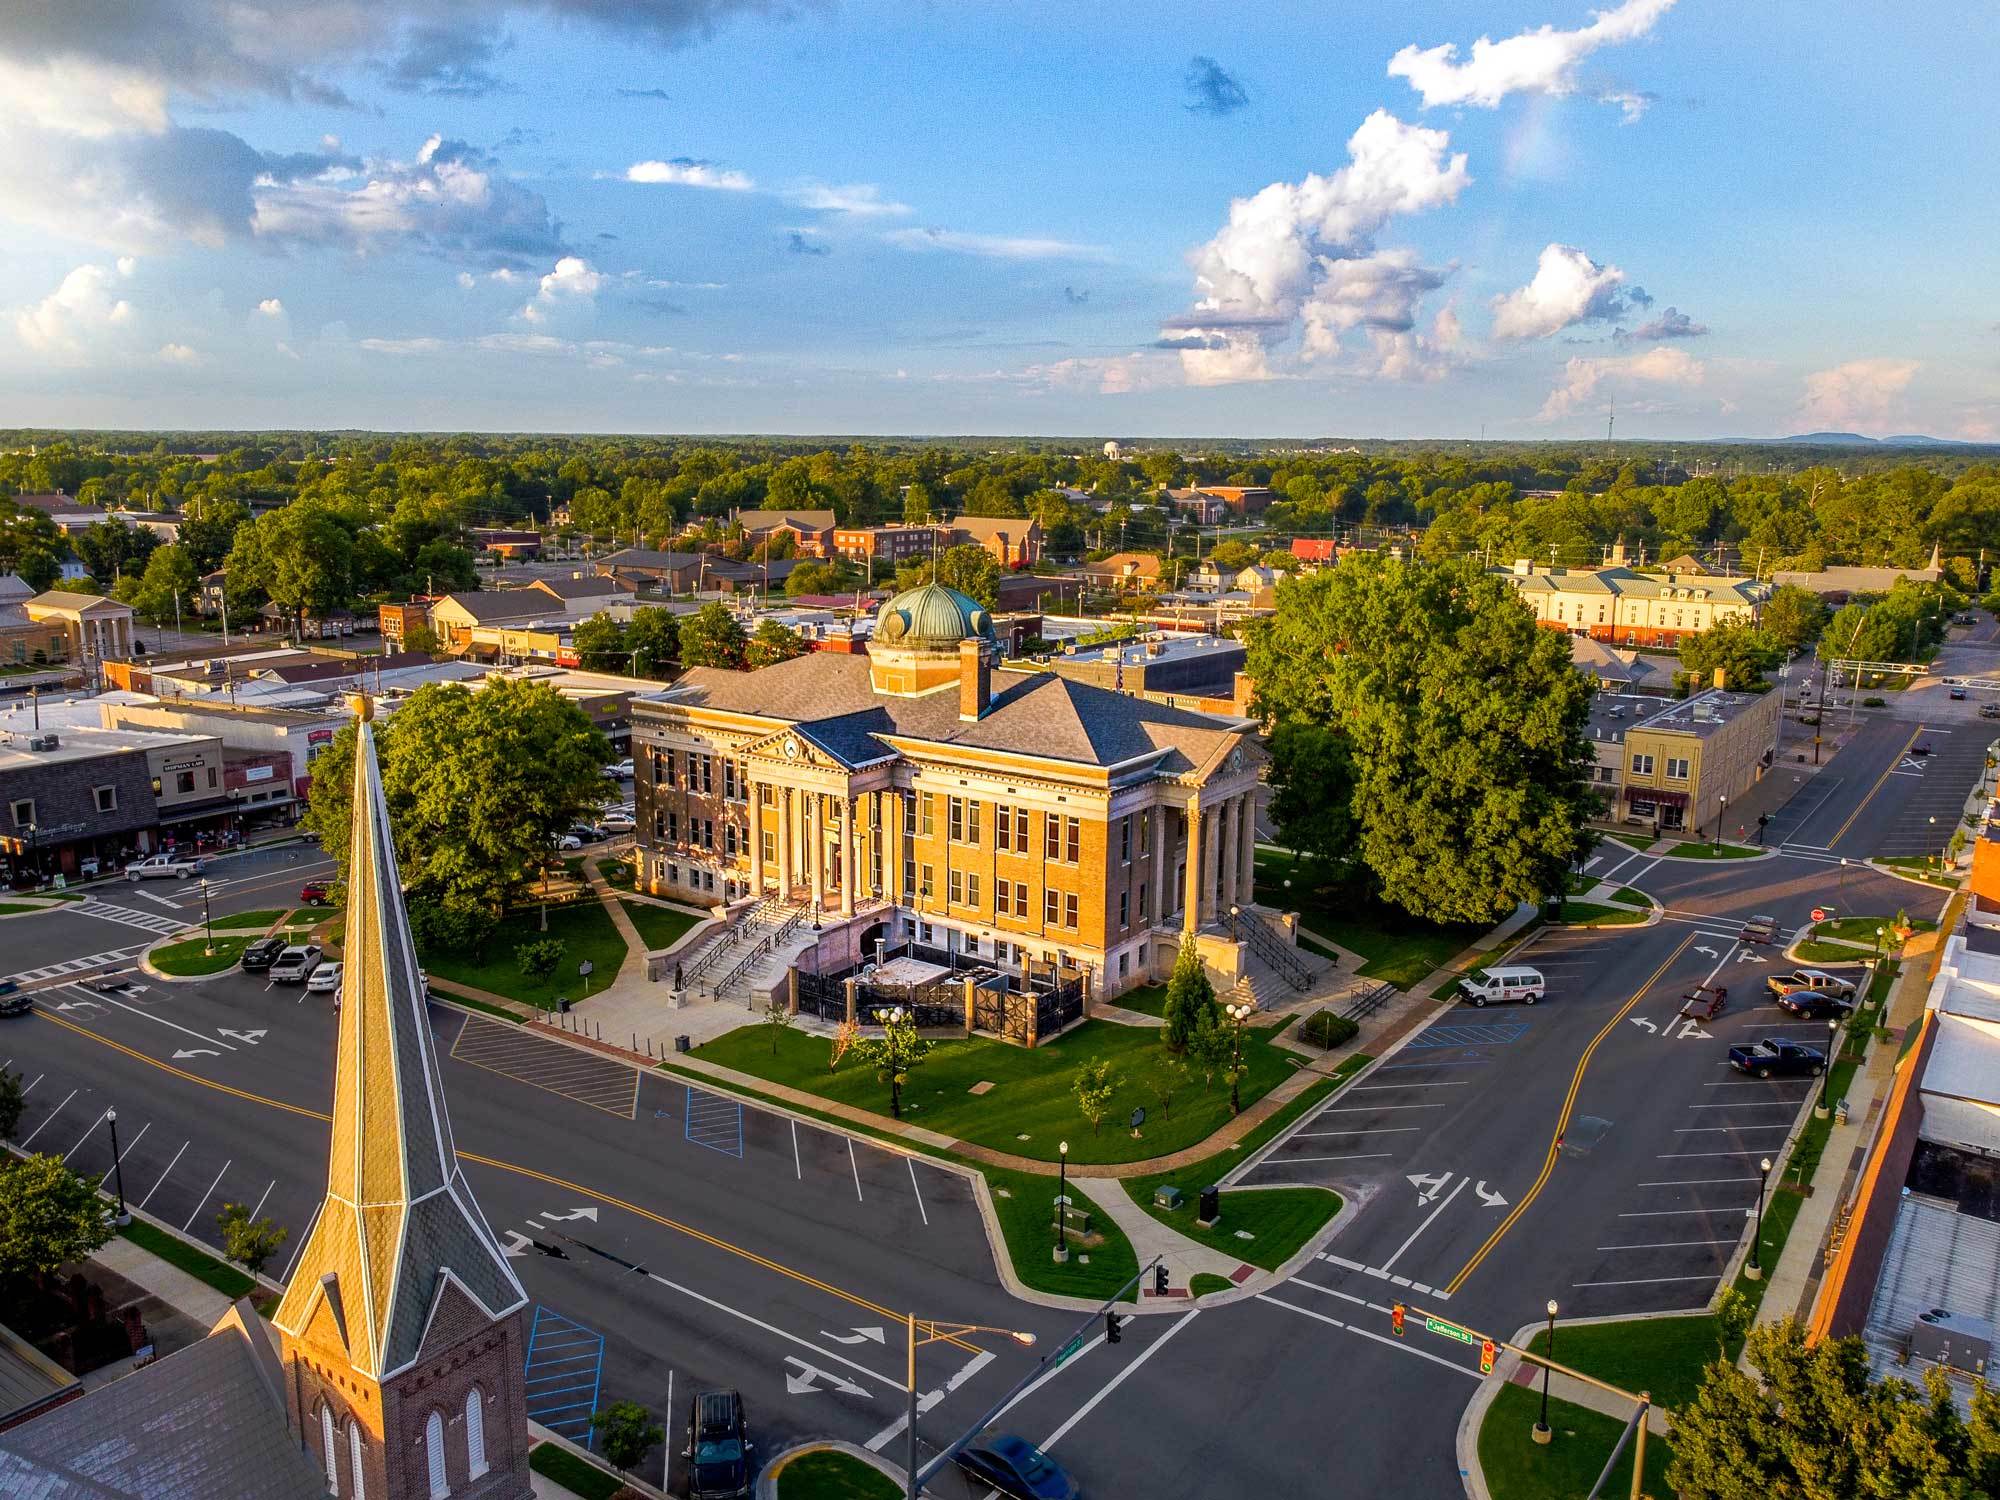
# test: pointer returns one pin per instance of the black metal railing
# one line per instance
(1248, 927)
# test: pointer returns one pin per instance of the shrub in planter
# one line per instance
(1326, 1030)
(1872, 702)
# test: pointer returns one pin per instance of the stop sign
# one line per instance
(1819, 913)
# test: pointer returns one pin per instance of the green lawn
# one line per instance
(616, 872)
(1519, 1468)
(12, 908)
(1393, 944)
(1714, 851)
(1205, 1282)
(832, 1475)
(1630, 897)
(1597, 915)
(1661, 1356)
(1279, 1220)
(257, 919)
(226, 1279)
(187, 959)
(585, 926)
(659, 926)
(572, 1473)
(1025, 1205)
(1147, 999)
(1030, 1107)
(1922, 867)
(1814, 951)
(1639, 841)
(1862, 929)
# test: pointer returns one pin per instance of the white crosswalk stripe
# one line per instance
(75, 965)
(145, 921)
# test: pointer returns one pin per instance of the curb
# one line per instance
(767, 1477)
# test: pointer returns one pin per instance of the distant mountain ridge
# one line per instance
(1859, 440)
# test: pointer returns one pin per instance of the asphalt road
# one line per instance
(704, 1243)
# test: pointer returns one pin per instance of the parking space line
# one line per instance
(1377, 1109)
(85, 1136)
(45, 1124)
(1313, 1135)
(798, 1170)
(1751, 1104)
(135, 1140)
(166, 1174)
(857, 1169)
(1669, 1245)
(31, 1087)
(1696, 1155)
(1695, 1181)
(1726, 1129)
(1442, 1083)
(910, 1162)
(205, 1196)
(1293, 1161)
(260, 1202)
(1676, 1213)
(1645, 1281)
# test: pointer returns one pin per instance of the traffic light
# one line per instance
(1112, 1324)
(1396, 1320)
(1486, 1353)
(1159, 1281)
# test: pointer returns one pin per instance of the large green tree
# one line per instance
(1742, 653)
(1312, 790)
(1793, 617)
(1465, 721)
(166, 590)
(774, 643)
(599, 643)
(1811, 1424)
(300, 558)
(479, 783)
(969, 568)
(48, 1215)
(712, 637)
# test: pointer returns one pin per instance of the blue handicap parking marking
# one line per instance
(565, 1367)
(1487, 1034)
(715, 1122)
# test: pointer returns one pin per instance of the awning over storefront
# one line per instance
(207, 808)
(1658, 798)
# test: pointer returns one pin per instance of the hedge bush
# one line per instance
(1326, 1030)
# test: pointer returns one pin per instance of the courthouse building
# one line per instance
(920, 795)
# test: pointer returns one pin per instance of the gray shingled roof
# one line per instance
(201, 1424)
(1031, 713)
(487, 606)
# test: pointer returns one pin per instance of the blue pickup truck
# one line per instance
(1774, 1057)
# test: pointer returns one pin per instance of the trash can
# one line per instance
(680, 1044)
(1211, 1204)
(562, 1004)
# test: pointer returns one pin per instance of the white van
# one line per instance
(1492, 986)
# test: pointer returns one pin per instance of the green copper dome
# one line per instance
(932, 617)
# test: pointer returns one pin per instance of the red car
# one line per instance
(316, 892)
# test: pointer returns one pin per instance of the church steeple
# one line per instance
(400, 1277)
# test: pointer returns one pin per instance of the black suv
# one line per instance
(260, 955)
(718, 1448)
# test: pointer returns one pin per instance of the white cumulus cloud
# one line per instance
(861, 199)
(1542, 61)
(1303, 255)
(994, 246)
(573, 280)
(271, 307)
(76, 315)
(1568, 288)
(1583, 378)
(1859, 394)
(685, 171)
(178, 354)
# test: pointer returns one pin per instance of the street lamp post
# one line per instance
(936, 1333)
(1062, 1203)
(117, 1166)
(208, 925)
(1721, 808)
(1755, 1270)
(1542, 1430)
(1932, 820)
(1237, 1014)
(1821, 1110)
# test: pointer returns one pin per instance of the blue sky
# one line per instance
(1111, 220)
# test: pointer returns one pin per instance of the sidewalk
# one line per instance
(1185, 1258)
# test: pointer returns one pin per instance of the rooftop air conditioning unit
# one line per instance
(44, 742)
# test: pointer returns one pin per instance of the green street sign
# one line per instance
(1069, 1349)
(1450, 1330)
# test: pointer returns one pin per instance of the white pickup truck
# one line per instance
(164, 866)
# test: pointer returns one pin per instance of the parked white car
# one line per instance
(622, 769)
(165, 866)
(295, 965)
(618, 822)
(325, 979)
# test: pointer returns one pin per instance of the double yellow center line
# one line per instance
(852, 1298)
(1562, 1119)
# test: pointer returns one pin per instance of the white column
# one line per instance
(1225, 848)
(756, 793)
(785, 843)
(1191, 913)
(1211, 842)
(1156, 911)
(816, 831)
(850, 839)
(1247, 872)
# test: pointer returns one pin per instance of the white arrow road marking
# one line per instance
(1749, 958)
(581, 1213)
(1689, 1029)
(859, 1336)
(1428, 1187)
(182, 1056)
(802, 1384)
(79, 1005)
(517, 1244)
(1642, 1021)
(1710, 952)
(1491, 1200)
(249, 1037)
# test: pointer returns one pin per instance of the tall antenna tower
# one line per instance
(1611, 419)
